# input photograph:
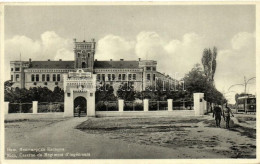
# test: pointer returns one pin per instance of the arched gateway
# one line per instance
(82, 102)
(79, 88)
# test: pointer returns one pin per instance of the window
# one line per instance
(47, 77)
(134, 76)
(154, 68)
(123, 76)
(109, 77)
(83, 65)
(113, 77)
(12, 69)
(58, 77)
(154, 77)
(37, 77)
(148, 77)
(129, 77)
(12, 77)
(103, 77)
(17, 69)
(98, 77)
(17, 78)
(32, 78)
(54, 77)
(43, 77)
(119, 77)
(88, 55)
(148, 68)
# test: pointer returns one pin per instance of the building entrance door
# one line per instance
(82, 102)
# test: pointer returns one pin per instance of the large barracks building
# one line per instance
(141, 73)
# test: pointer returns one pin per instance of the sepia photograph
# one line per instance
(129, 81)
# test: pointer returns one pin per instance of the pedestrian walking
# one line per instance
(217, 113)
(78, 109)
(227, 112)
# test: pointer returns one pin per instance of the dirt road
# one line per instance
(61, 140)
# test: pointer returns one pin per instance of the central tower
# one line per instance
(84, 53)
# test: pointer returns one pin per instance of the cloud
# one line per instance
(173, 56)
(115, 47)
(49, 46)
(242, 40)
(235, 63)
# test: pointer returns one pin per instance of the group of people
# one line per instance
(226, 112)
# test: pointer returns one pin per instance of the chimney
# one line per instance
(93, 40)
(95, 59)
(121, 59)
(139, 59)
(84, 41)
(74, 39)
(49, 60)
(111, 60)
(60, 59)
(30, 60)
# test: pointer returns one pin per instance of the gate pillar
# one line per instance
(199, 104)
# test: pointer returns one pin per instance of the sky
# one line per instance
(175, 36)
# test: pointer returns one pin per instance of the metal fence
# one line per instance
(182, 105)
(107, 106)
(158, 105)
(20, 108)
(46, 107)
(133, 106)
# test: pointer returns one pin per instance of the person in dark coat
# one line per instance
(217, 113)
(78, 108)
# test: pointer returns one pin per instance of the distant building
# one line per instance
(141, 73)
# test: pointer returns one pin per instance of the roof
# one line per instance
(53, 64)
(116, 64)
(97, 64)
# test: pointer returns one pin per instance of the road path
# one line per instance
(64, 135)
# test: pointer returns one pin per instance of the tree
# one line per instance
(196, 81)
(126, 92)
(209, 63)
(105, 93)
(23, 95)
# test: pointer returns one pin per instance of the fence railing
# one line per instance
(133, 106)
(107, 106)
(158, 105)
(46, 107)
(182, 105)
(20, 108)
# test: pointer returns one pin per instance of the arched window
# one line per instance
(83, 65)
(43, 77)
(58, 77)
(48, 77)
(54, 77)
(37, 77)
(17, 77)
(88, 55)
(32, 77)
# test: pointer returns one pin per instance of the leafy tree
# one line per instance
(126, 92)
(196, 81)
(209, 63)
(105, 93)
(40, 94)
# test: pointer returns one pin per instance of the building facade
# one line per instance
(81, 77)
(141, 73)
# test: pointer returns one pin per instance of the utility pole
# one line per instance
(246, 82)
